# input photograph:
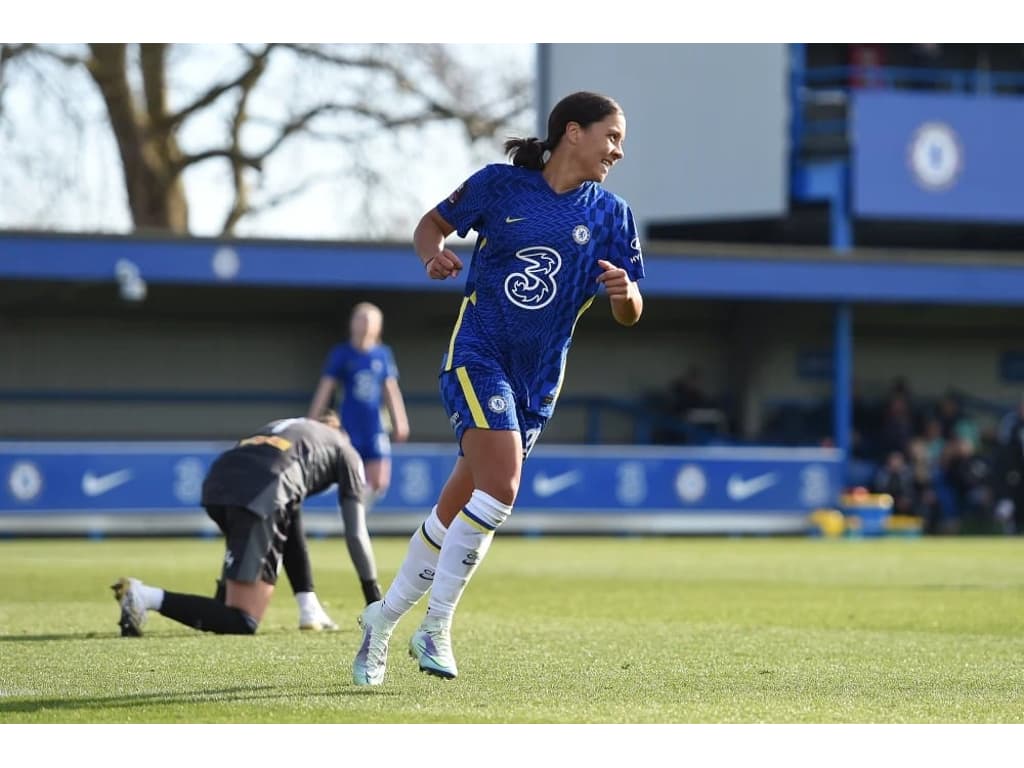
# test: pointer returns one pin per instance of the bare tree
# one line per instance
(247, 109)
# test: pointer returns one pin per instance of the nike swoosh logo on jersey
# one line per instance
(511, 220)
(97, 485)
(739, 489)
(545, 486)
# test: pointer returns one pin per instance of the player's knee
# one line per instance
(502, 492)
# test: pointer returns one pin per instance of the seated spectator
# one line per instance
(949, 412)
(692, 404)
(926, 499)
(688, 392)
(897, 425)
(896, 479)
(1009, 477)
(969, 476)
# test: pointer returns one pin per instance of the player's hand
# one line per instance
(401, 434)
(446, 264)
(614, 279)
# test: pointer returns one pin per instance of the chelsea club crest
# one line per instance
(935, 156)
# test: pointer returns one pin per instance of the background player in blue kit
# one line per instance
(365, 370)
(548, 236)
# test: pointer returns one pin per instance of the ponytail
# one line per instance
(527, 153)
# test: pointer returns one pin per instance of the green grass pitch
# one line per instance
(551, 630)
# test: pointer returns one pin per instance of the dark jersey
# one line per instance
(281, 464)
(534, 272)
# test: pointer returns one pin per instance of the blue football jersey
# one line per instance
(362, 374)
(533, 273)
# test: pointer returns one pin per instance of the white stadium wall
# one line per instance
(706, 125)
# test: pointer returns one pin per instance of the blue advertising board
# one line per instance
(139, 488)
(938, 156)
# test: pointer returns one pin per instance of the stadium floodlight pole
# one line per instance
(842, 408)
(842, 244)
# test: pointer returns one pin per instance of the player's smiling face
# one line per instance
(600, 145)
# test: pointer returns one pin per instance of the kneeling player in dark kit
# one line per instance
(254, 493)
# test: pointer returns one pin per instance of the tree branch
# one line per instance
(256, 65)
(232, 154)
(296, 190)
(240, 206)
(154, 80)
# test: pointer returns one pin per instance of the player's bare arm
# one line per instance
(396, 407)
(322, 396)
(428, 240)
(627, 303)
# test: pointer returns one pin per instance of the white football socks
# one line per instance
(465, 545)
(309, 604)
(416, 573)
(152, 597)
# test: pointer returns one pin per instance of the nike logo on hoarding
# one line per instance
(739, 489)
(545, 486)
(97, 485)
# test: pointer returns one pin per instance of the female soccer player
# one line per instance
(548, 236)
(366, 370)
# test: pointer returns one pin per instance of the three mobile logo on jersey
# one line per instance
(534, 287)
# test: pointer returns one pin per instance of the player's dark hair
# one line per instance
(583, 107)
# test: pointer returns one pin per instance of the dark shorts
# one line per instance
(484, 399)
(253, 544)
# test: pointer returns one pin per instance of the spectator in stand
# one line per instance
(866, 62)
(927, 57)
(936, 456)
(926, 500)
(896, 479)
(949, 413)
(688, 392)
(1009, 480)
(897, 424)
(969, 476)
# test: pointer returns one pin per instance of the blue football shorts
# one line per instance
(480, 397)
(377, 447)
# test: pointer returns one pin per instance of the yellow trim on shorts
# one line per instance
(455, 331)
(479, 420)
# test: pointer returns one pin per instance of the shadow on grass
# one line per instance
(90, 636)
(135, 699)
(76, 636)
(215, 696)
(170, 632)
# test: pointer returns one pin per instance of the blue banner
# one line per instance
(139, 488)
(119, 260)
(938, 156)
